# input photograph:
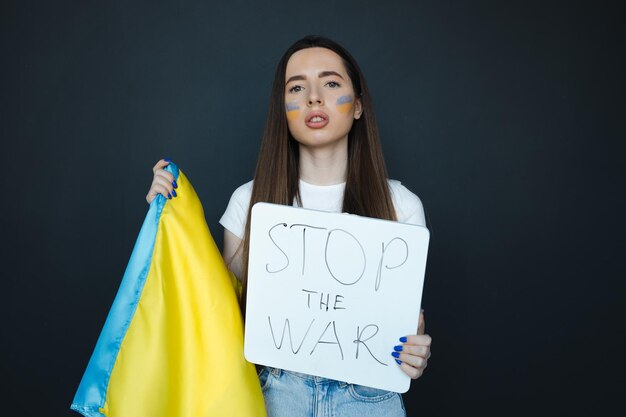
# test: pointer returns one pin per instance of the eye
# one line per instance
(296, 89)
(333, 84)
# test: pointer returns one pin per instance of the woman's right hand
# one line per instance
(163, 182)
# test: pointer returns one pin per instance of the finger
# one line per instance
(415, 339)
(163, 173)
(422, 323)
(414, 361)
(160, 189)
(161, 164)
(423, 351)
(157, 189)
(161, 185)
(421, 339)
(165, 180)
(414, 373)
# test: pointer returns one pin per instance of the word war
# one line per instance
(363, 334)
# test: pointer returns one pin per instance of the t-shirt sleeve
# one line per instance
(236, 214)
(409, 208)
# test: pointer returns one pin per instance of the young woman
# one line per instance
(320, 150)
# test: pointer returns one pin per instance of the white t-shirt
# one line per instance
(408, 206)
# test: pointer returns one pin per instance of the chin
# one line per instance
(320, 142)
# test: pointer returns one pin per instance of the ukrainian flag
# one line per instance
(172, 344)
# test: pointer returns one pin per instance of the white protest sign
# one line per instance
(330, 294)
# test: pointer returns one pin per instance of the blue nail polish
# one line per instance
(169, 196)
(395, 354)
(174, 184)
(174, 193)
(403, 339)
(397, 348)
(398, 362)
(167, 160)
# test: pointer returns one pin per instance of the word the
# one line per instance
(324, 304)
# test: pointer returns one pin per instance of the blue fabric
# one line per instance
(289, 394)
(91, 393)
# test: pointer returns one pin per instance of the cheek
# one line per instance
(292, 109)
(293, 115)
(345, 104)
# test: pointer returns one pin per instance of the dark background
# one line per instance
(506, 118)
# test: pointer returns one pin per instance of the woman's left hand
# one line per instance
(414, 352)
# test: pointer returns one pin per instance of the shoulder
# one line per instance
(243, 193)
(234, 218)
(409, 208)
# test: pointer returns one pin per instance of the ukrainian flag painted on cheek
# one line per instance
(344, 104)
(293, 110)
(172, 344)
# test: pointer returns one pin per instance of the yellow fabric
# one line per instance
(236, 284)
(183, 352)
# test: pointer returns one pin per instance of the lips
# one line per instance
(316, 119)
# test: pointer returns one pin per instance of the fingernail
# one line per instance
(167, 160)
(174, 184)
(397, 348)
(403, 339)
(169, 196)
(398, 362)
(174, 193)
(395, 354)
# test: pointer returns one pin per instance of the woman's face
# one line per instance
(319, 99)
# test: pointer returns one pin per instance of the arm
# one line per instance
(232, 258)
(413, 354)
(232, 253)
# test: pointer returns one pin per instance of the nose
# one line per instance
(315, 97)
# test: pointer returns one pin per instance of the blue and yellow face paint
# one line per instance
(293, 110)
(344, 104)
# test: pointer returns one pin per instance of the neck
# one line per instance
(324, 166)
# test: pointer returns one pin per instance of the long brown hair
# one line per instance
(276, 179)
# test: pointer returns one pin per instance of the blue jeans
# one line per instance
(292, 394)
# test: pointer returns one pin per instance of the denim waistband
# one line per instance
(306, 377)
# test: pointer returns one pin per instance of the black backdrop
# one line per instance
(502, 116)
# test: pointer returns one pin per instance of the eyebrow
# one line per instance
(320, 75)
